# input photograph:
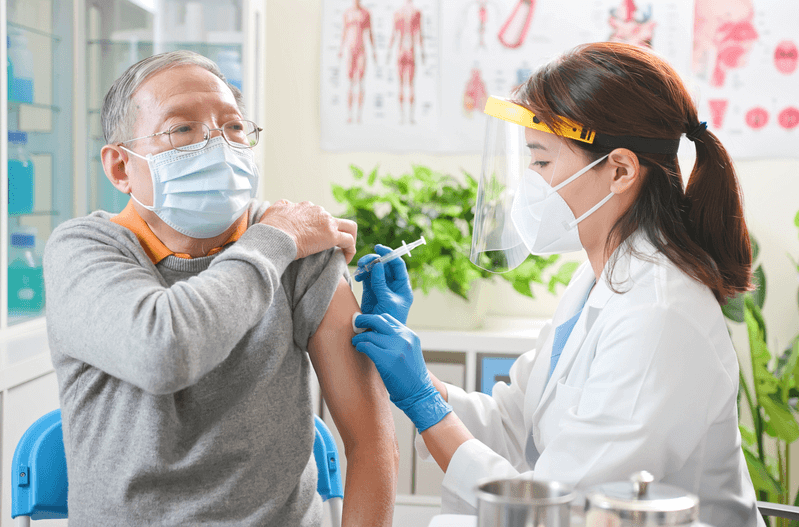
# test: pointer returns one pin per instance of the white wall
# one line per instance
(297, 169)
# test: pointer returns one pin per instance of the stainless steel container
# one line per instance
(523, 503)
(640, 503)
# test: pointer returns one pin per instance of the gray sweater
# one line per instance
(184, 386)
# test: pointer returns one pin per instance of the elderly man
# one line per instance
(181, 329)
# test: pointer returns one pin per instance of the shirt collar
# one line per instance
(155, 248)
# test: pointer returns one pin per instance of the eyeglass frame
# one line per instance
(169, 133)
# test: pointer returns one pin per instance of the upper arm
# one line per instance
(351, 386)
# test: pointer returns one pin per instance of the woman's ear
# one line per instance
(626, 170)
(115, 165)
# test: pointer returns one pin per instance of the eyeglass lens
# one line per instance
(195, 135)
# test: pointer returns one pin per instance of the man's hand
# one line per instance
(312, 227)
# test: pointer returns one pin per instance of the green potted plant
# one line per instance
(771, 399)
(392, 209)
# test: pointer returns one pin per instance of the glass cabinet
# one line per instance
(62, 57)
(38, 158)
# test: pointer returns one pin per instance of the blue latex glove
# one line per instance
(397, 354)
(386, 288)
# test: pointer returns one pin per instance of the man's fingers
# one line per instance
(348, 226)
(347, 244)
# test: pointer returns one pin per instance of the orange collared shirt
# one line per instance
(154, 247)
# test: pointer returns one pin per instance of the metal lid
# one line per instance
(641, 500)
(524, 491)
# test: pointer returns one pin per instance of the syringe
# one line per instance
(396, 253)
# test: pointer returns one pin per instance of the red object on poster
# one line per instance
(757, 118)
(786, 57)
(514, 30)
(788, 118)
(718, 107)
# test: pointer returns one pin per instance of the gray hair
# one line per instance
(118, 117)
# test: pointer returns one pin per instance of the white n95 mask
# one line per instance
(543, 220)
(201, 193)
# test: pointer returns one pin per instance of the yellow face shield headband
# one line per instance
(514, 113)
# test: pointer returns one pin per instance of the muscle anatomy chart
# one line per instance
(744, 65)
(413, 75)
(407, 31)
(357, 25)
(379, 78)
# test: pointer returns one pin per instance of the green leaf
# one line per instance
(755, 247)
(372, 177)
(781, 420)
(734, 308)
(757, 315)
(339, 193)
(357, 173)
(747, 435)
(761, 476)
(759, 294)
(563, 276)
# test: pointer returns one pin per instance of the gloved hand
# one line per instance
(386, 288)
(397, 354)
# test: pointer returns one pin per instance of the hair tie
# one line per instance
(696, 132)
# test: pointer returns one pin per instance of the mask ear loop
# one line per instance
(578, 174)
(590, 211)
(147, 158)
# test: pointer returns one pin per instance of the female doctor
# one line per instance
(636, 370)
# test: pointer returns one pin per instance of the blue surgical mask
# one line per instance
(201, 193)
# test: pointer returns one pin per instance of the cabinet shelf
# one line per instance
(33, 30)
(35, 213)
(237, 42)
(16, 105)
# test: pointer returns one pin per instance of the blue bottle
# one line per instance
(21, 186)
(20, 81)
(25, 277)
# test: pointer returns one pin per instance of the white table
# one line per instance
(453, 520)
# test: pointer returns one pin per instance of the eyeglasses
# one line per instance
(194, 135)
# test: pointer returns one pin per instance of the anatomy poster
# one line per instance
(489, 47)
(745, 68)
(380, 75)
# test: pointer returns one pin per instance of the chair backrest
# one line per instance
(39, 471)
(327, 464)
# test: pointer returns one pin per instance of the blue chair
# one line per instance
(39, 472)
(329, 485)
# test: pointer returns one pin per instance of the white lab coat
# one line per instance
(646, 381)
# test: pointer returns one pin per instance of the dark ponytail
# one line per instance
(623, 90)
(715, 215)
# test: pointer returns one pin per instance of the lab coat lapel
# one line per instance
(623, 272)
(569, 304)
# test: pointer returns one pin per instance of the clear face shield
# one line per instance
(520, 159)
(519, 210)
